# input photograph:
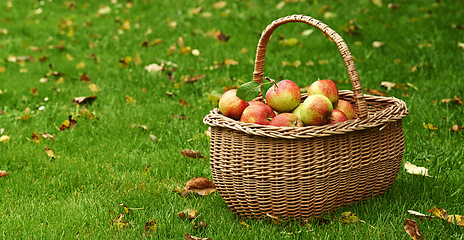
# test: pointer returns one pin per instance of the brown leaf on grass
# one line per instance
(190, 237)
(375, 92)
(149, 227)
(352, 28)
(36, 138)
(124, 62)
(201, 224)
(456, 100)
(190, 213)
(119, 223)
(84, 77)
(3, 174)
(183, 102)
(190, 153)
(199, 185)
(84, 100)
(49, 152)
(70, 123)
(390, 85)
(442, 214)
(430, 126)
(34, 91)
(47, 136)
(192, 79)
(410, 226)
(455, 128)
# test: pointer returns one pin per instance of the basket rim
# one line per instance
(396, 110)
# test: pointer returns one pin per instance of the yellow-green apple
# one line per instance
(232, 106)
(257, 113)
(325, 87)
(286, 120)
(283, 96)
(296, 111)
(337, 116)
(347, 108)
(316, 110)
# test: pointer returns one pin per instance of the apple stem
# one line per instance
(272, 81)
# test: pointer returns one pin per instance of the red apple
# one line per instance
(284, 96)
(256, 102)
(232, 106)
(337, 116)
(325, 87)
(347, 108)
(286, 120)
(316, 110)
(257, 113)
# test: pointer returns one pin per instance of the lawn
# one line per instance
(124, 148)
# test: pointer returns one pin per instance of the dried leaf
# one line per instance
(49, 152)
(442, 214)
(94, 88)
(183, 102)
(34, 91)
(375, 92)
(456, 128)
(349, 217)
(388, 85)
(130, 100)
(275, 220)
(461, 45)
(85, 113)
(199, 183)
(413, 169)
(124, 62)
(70, 123)
(153, 138)
(144, 127)
(190, 153)
(36, 138)
(190, 237)
(230, 62)
(126, 209)
(150, 226)
(5, 139)
(377, 44)
(219, 5)
(430, 126)
(419, 215)
(84, 100)
(201, 224)
(190, 213)
(3, 174)
(245, 225)
(410, 226)
(119, 223)
(456, 100)
(84, 77)
(47, 136)
(194, 78)
(289, 42)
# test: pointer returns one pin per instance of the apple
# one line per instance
(296, 111)
(257, 113)
(255, 102)
(316, 110)
(283, 96)
(347, 108)
(325, 87)
(337, 116)
(286, 120)
(232, 106)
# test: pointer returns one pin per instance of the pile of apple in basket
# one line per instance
(283, 105)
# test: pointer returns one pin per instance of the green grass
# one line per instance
(101, 163)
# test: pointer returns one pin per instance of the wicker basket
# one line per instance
(305, 171)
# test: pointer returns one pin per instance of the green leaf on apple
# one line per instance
(249, 90)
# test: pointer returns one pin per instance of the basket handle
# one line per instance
(360, 106)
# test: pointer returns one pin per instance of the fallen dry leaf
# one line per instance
(49, 152)
(84, 77)
(85, 113)
(3, 174)
(119, 223)
(245, 225)
(190, 237)
(126, 209)
(349, 217)
(84, 100)
(455, 128)
(377, 44)
(190, 213)
(442, 214)
(194, 78)
(456, 100)
(413, 169)
(130, 100)
(201, 224)
(430, 126)
(69, 123)
(375, 92)
(150, 226)
(47, 136)
(36, 138)
(410, 226)
(190, 153)
(199, 185)
(5, 138)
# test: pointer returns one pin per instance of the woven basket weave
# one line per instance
(305, 171)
